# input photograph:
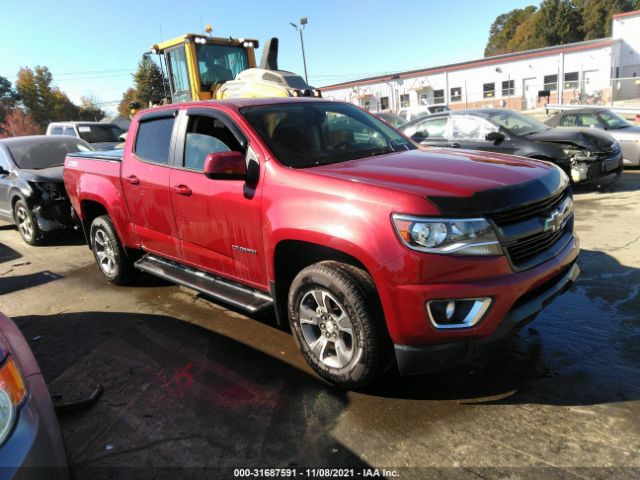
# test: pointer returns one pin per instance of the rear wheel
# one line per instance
(26, 223)
(110, 256)
(337, 322)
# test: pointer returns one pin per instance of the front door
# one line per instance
(145, 182)
(218, 221)
(530, 92)
(470, 132)
(6, 180)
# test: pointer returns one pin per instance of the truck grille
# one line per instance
(534, 233)
(529, 247)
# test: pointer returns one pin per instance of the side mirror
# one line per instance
(3, 171)
(420, 135)
(495, 137)
(225, 166)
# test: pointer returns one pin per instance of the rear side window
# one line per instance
(153, 140)
(56, 131)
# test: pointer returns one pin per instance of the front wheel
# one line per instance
(26, 223)
(338, 324)
(110, 256)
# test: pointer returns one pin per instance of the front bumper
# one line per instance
(53, 216)
(424, 359)
(602, 170)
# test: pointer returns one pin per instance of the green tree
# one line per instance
(596, 15)
(504, 28)
(150, 84)
(8, 99)
(90, 110)
(557, 22)
(43, 102)
(128, 98)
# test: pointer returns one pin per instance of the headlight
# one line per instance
(577, 154)
(12, 392)
(447, 236)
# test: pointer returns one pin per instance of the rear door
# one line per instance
(145, 183)
(218, 221)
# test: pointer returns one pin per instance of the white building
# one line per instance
(594, 71)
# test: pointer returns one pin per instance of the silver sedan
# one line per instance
(627, 134)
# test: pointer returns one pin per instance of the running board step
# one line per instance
(235, 294)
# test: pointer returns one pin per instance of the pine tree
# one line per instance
(150, 84)
(8, 99)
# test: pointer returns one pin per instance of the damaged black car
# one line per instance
(32, 194)
(586, 155)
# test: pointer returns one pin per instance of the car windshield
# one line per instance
(613, 120)
(100, 133)
(514, 122)
(45, 154)
(318, 133)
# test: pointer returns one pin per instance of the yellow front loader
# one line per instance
(201, 67)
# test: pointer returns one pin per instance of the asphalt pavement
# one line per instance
(195, 389)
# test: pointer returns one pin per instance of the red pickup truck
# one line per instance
(374, 251)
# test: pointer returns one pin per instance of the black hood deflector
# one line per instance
(503, 198)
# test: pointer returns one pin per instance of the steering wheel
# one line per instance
(342, 144)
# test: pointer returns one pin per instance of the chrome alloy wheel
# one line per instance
(25, 225)
(326, 328)
(104, 252)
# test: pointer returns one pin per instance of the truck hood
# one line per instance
(494, 181)
(53, 174)
(589, 138)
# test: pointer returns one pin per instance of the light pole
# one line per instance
(303, 23)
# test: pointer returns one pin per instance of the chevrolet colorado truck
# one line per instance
(374, 251)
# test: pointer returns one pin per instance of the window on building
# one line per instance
(438, 96)
(551, 82)
(489, 90)
(404, 100)
(456, 94)
(508, 88)
(153, 139)
(571, 80)
(366, 105)
(384, 103)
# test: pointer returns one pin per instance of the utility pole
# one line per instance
(303, 24)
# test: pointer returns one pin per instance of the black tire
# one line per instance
(347, 360)
(111, 257)
(27, 224)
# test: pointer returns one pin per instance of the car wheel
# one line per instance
(110, 256)
(26, 223)
(337, 321)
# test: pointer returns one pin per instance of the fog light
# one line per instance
(457, 313)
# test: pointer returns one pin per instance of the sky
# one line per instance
(92, 47)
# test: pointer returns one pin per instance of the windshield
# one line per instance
(100, 133)
(613, 120)
(514, 122)
(220, 63)
(47, 154)
(317, 133)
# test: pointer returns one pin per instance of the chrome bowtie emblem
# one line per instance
(553, 222)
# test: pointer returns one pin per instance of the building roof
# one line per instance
(626, 14)
(497, 59)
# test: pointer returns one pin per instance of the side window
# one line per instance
(153, 140)
(56, 130)
(4, 163)
(434, 127)
(466, 127)
(568, 121)
(586, 120)
(69, 132)
(207, 135)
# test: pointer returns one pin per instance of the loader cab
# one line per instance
(197, 65)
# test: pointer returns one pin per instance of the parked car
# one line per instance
(412, 113)
(103, 136)
(32, 194)
(626, 133)
(586, 155)
(391, 118)
(373, 250)
(30, 441)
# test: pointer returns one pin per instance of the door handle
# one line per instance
(133, 180)
(183, 190)
(455, 145)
